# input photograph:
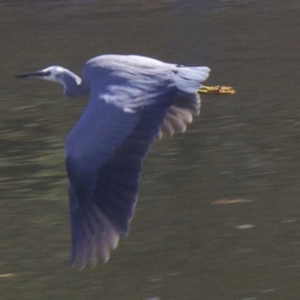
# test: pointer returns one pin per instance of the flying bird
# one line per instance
(133, 100)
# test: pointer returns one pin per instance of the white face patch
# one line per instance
(55, 73)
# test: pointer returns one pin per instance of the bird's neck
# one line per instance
(74, 86)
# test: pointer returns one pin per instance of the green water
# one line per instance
(238, 164)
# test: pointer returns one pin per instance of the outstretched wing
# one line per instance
(89, 146)
(104, 154)
(129, 102)
(104, 180)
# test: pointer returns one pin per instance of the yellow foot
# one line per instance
(217, 89)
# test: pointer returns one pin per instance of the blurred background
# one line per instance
(218, 210)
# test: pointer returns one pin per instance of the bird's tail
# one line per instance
(188, 81)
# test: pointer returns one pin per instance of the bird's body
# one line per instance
(132, 99)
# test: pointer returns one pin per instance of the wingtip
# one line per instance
(95, 240)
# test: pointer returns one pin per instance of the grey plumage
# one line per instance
(133, 99)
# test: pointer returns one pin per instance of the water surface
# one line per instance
(218, 211)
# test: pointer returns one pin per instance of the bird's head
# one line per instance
(70, 81)
(53, 73)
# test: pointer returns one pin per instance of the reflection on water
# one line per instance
(217, 216)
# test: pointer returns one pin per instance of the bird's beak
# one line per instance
(34, 74)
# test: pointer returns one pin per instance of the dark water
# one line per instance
(218, 212)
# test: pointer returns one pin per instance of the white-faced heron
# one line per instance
(133, 99)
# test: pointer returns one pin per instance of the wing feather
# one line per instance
(114, 193)
(104, 154)
(131, 98)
